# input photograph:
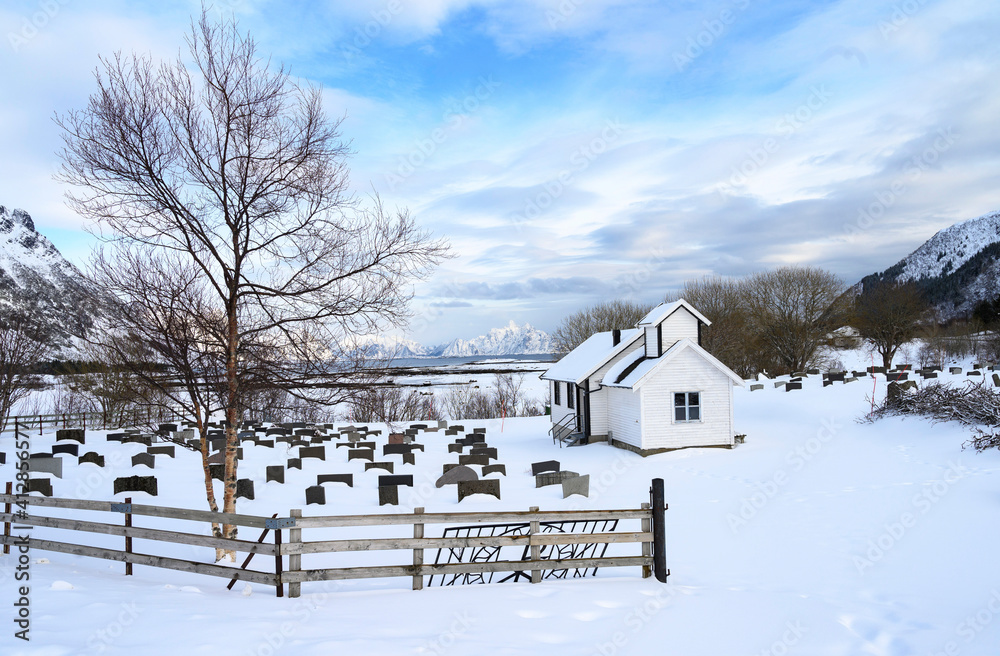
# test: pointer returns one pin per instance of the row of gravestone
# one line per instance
(549, 472)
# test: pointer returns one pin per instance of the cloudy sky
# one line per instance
(579, 150)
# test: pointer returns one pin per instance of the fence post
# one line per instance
(536, 550)
(659, 531)
(418, 554)
(646, 546)
(280, 587)
(6, 509)
(295, 560)
(128, 539)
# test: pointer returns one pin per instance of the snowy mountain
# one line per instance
(34, 276)
(956, 268)
(512, 339)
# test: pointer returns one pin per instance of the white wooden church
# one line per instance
(649, 389)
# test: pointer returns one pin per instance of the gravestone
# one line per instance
(553, 478)
(793, 386)
(91, 457)
(996, 380)
(364, 445)
(396, 438)
(457, 427)
(398, 479)
(145, 484)
(442, 424)
(348, 479)
(546, 466)
(161, 451)
(41, 485)
(576, 485)
(217, 458)
(974, 373)
(295, 463)
(954, 370)
(396, 449)
(46, 464)
(850, 380)
(361, 454)
(497, 468)
(72, 449)
(386, 466)
(274, 473)
(138, 439)
(455, 448)
(909, 384)
(489, 486)
(115, 437)
(275, 431)
(298, 442)
(3, 458)
(218, 472)
(930, 375)
(474, 459)
(409, 458)
(756, 386)
(479, 431)
(388, 495)
(488, 451)
(244, 488)
(266, 443)
(316, 494)
(455, 474)
(76, 434)
(318, 452)
(144, 459)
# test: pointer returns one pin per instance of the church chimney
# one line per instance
(616, 337)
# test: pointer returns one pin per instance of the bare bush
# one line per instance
(505, 399)
(22, 346)
(391, 404)
(888, 315)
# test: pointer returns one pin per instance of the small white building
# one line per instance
(649, 389)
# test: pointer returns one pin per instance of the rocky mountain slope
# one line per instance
(956, 268)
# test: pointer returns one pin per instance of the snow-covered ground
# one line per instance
(820, 535)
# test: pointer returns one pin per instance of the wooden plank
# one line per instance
(294, 561)
(647, 549)
(152, 511)
(470, 518)
(153, 561)
(462, 568)
(147, 534)
(536, 550)
(383, 544)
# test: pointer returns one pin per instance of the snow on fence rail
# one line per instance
(543, 552)
(92, 420)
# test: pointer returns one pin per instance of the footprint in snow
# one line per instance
(61, 585)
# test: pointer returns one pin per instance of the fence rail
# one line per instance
(91, 420)
(546, 548)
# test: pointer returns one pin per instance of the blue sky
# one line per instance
(574, 151)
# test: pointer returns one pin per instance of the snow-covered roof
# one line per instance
(590, 356)
(642, 366)
(664, 310)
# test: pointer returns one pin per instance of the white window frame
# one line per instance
(687, 407)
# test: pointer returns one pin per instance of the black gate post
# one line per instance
(659, 531)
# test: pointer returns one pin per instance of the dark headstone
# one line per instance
(276, 431)
(218, 472)
(295, 463)
(138, 439)
(395, 449)
(167, 429)
(479, 431)
(409, 458)
(490, 452)
(217, 458)
(3, 458)
(335, 478)
(387, 466)
(266, 443)
(474, 459)
(360, 454)
(793, 386)
(996, 380)
(115, 437)
(388, 495)
(244, 488)
(497, 468)
(41, 485)
(316, 494)
(553, 478)
(161, 451)
(364, 445)
(72, 449)
(145, 484)
(396, 438)
(76, 434)
(455, 448)
(484, 486)
(274, 473)
(546, 466)
(398, 479)
(318, 452)
(455, 474)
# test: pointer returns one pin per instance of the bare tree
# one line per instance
(227, 183)
(793, 310)
(602, 317)
(108, 382)
(22, 346)
(887, 315)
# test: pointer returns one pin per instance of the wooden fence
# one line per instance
(91, 420)
(550, 542)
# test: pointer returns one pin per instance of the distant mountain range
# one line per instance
(956, 268)
(34, 276)
(512, 339)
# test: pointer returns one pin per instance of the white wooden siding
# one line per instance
(650, 337)
(599, 399)
(679, 325)
(559, 411)
(687, 372)
(623, 415)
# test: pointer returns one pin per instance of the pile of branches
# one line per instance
(974, 404)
